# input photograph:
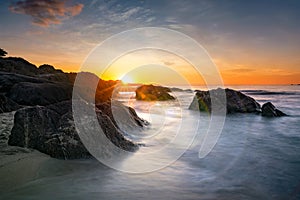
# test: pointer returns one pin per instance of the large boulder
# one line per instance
(269, 110)
(91, 88)
(47, 131)
(7, 105)
(8, 80)
(236, 102)
(123, 117)
(46, 89)
(153, 93)
(51, 130)
(27, 93)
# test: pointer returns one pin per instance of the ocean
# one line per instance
(254, 158)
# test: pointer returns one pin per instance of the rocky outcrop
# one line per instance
(27, 93)
(48, 69)
(42, 99)
(21, 66)
(8, 80)
(236, 102)
(269, 110)
(153, 93)
(7, 105)
(239, 102)
(18, 66)
(47, 89)
(121, 115)
(24, 90)
(37, 128)
(51, 130)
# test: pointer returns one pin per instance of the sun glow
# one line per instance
(127, 79)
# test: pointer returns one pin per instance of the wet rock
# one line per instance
(7, 105)
(269, 110)
(51, 130)
(8, 80)
(27, 93)
(48, 125)
(236, 102)
(121, 115)
(153, 93)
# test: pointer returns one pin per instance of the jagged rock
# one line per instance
(48, 126)
(45, 89)
(7, 105)
(269, 110)
(48, 69)
(140, 122)
(26, 93)
(58, 77)
(8, 80)
(153, 93)
(36, 128)
(123, 117)
(17, 65)
(104, 89)
(21, 66)
(236, 102)
(51, 130)
(114, 134)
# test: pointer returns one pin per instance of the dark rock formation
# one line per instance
(123, 117)
(47, 89)
(7, 105)
(8, 80)
(114, 134)
(269, 110)
(48, 69)
(26, 93)
(51, 130)
(175, 89)
(140, 122)
(37, 128)
(48, 125)
(21, 66)
(236, 102)
(18, 66)
(104, 90)
(153, 93)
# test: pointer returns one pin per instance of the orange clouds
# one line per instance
(46, 12)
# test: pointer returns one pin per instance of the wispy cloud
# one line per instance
(110, 17)
(46, 12)
(169, 63)
(240, 70)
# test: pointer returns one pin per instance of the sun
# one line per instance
(127, 79)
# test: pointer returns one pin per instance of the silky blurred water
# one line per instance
(255, 157)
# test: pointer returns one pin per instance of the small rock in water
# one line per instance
(153, 93)
(269, 110)
(235, 101)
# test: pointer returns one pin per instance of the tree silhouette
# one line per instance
(2, 52)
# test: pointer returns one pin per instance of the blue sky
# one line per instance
(241, 36)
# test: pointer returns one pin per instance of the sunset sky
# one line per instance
(251, 42)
